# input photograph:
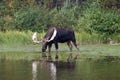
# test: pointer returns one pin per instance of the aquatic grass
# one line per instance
(100, 53)
(19, 56)
(87, 52)
(29, 56)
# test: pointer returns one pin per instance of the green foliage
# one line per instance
(38, 19)
(64, 18)
(90, 19)
(95, 20)
(110, 3)
(32, 19)
(106, 23)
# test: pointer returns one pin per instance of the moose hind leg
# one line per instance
(76, 57)
(74, 43)
(70, 47)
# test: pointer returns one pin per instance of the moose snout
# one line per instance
(44, 47)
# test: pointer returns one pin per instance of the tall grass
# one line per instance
(86, 38)
(17, 38)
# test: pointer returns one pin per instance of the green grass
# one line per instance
(87, 52)
(13, 38)
(101, 53)
(23, 38)
(15, 45)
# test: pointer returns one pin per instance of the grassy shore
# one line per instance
(87, 52)
(20, 38)
(16, 45)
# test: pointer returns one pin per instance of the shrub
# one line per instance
(95, 20)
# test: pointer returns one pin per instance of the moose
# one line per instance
(54, 36)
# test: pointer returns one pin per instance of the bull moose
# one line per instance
(54, 36)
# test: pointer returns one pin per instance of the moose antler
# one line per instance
(53, 36)
(34, 38)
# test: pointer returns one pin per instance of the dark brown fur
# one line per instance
(63, 35)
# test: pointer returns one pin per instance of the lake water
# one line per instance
(42, 70)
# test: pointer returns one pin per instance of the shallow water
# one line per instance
(43, 70)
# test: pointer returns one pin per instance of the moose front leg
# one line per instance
(44, 51)
(44, 57)
(49, 50)
(44, 54)
(56, 47)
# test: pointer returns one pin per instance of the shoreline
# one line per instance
(103, 53)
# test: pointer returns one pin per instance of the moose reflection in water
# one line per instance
(49, 69)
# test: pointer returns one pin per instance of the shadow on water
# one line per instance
(49, 69)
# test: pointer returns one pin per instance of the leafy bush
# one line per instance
(33, 19)
(64, 18)
(95, 20)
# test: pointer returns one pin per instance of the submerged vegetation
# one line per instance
(104, 53)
